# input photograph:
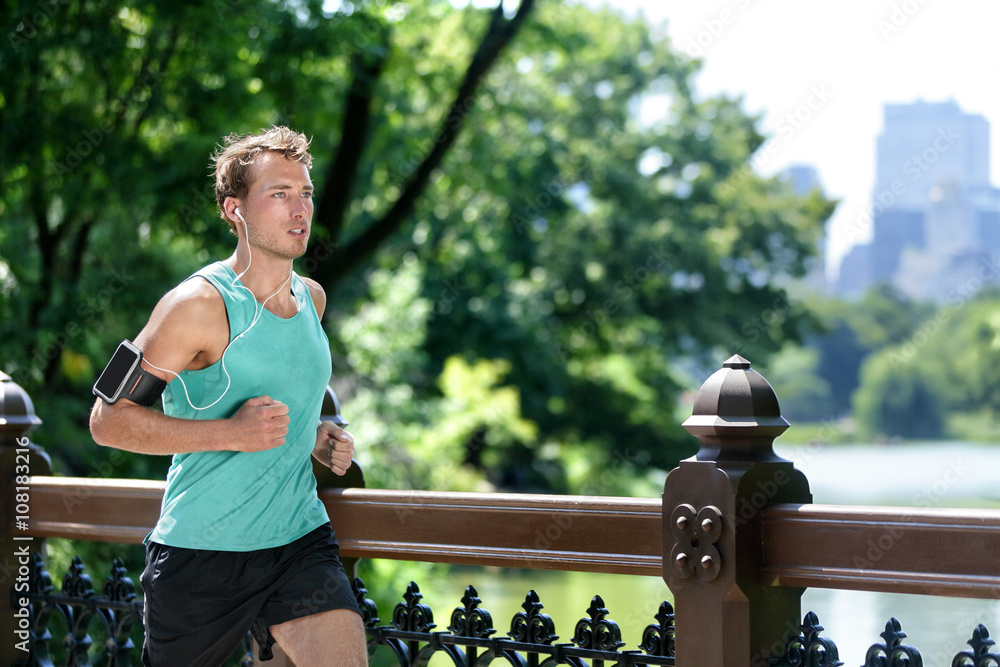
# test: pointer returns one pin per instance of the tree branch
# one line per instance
(499, 34)
(156, 75)
(366, 67)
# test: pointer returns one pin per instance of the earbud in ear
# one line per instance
(239, 215)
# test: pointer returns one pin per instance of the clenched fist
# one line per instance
(334, 447)
(260, 423)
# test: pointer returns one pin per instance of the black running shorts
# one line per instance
(199, 604)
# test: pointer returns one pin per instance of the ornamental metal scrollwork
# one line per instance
(658, 639)
(118, 588)
(77, 585)
(369, 610)
(980, 655)
(41, 611)
(598, 632)
(41, 581)
(470, 620)
(531, 626)
(696, 534)
(808, 648)
(893, 652)
(413, 615)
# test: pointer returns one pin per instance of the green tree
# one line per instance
(849, 332)
(885, 316)
(108, 123)
(959, 345)
(802, 393)
(581, 220)
(898, 399)
(597, 249)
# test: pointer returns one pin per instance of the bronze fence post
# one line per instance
(712, 525)
(19, 459)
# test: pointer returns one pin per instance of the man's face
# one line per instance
(279, 206)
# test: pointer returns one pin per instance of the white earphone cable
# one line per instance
(258, 312)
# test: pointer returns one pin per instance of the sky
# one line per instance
(820, 73)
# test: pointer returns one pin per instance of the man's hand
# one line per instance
(334, 447)
(261, 423)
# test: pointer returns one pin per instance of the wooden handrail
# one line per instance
(99, 510)
(590, 534)
(950, 552)
(947, 552)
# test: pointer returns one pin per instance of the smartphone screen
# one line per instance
(118, 369)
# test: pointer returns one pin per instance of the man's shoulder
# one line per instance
(317, 294)
(195, 289)
(193, 298)
(314, 287)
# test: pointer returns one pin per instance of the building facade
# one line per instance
(935, 216)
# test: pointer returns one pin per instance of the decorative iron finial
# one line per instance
(597, 632)
(893, 651)
(531, 626)
(809, 648)
(118, 587)
(736, 416)
(413, 615)
(658, 638)
(77, 583)
(41, 581)
(470, 620)
(980, 655)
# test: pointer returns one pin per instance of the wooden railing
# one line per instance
(734, 536)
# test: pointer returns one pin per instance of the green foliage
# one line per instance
(433, 443)
(839, 362)
(959, 344)
(802, 393)
(885, 316)
(597, 248)
(849, 333)
(926, 368)
(592, 232)
(898, 399)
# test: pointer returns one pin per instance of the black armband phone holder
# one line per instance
(124, 377)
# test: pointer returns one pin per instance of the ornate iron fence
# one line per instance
(531, 640)
(117, 611)
(468, 641)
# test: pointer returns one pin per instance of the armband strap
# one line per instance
(144, 388)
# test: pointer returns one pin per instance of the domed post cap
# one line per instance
(17, 412)
(736, 415)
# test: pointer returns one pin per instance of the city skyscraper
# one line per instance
(935, 217)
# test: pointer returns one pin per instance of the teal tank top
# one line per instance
(243, 501)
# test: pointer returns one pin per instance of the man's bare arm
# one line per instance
(187, 329)
(334, 447)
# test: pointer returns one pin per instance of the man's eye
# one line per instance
(279, 194)
(307, 195)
